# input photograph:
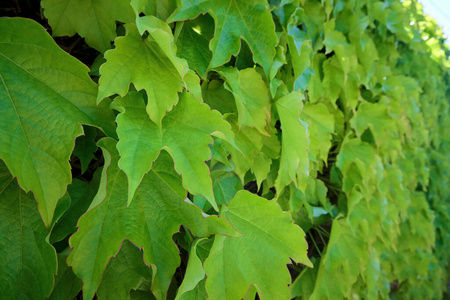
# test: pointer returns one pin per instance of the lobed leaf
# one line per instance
(149, 222)
(40, 122)
(93, 20)
(186, 134)
(235, 20)
(259, 256)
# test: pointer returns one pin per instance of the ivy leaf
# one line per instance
(251, 95)
(186, 134)
(354, 150)
(93, 20)
(192, 82)
(67, 285)
(149, 222)
(161, 9)
(193, 43)
(128, 268)
(234, 20)
(150, 64)
(260, 255)
(376, 117)
(81, 195)
(194, 275)
(40, 122)
(217, 97)
(294, 164)
(321, 128)
(249, 142)
(346, 254)
(333, 79)
(85, 147)
(28, 261)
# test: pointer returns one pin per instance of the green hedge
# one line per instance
(223, 149)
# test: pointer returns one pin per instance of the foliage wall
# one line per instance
(190, 149)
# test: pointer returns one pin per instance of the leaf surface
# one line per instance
(321, 128)
(95, 20)
(81, 195)
(259, 256)
(149, 64)
(193, 279)
(346, 253)
(149, 222)
(235, 20)
(40, 122)
(193, 42)
(251, 96)
(125, 271)
(294, 164)
(186, 134)
(28, 261)
(67, 285)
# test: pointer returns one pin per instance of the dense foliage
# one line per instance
(223, 149)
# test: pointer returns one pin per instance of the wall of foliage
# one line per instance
(193, 149)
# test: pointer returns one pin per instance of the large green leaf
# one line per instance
(44, 96)
(95, 20)
(158, 210)
(186, 134)
(150, 64)
(259, 256)
(27, 260)
(235, 20)
(294, 164)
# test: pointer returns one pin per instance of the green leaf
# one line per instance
(251, 95)
(192, 82)
(333, 79)
(149, 222)
(321, 128)
(93, 20)
(304, 284)
(186, 134)
(249, 142)
(225, 186)
(193, 42)
(193, 277)
(376, 117)
(354, 150)
(40, 122)
(85, 147)
(345, 257)
(150, 64)
(128, 269)
(217, 97)
(67, 285)
(81, 195)
(259, 256)
(161, 9)
(234, 20)
(28, 261)
(294, 164)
